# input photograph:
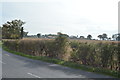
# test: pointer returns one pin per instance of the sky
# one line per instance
(72, 17)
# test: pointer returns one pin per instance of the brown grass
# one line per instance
(76, 40)
(93, 41)
(36, 39)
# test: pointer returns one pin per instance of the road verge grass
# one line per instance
(0, 43)
(67, 63)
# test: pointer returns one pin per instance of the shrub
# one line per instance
(60, 44)
(104, 55)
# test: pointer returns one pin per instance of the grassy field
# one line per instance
(77, 40)
(94, 41)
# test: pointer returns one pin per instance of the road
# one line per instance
(14, 66)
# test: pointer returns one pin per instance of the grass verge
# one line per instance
(0, 43)
(68, 64)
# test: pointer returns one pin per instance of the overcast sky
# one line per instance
(73, 17)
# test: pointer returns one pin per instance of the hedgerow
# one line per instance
(96, 54)
(101, 55)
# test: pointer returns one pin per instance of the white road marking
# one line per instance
(34, 75)
(2, 62)
(7, 55)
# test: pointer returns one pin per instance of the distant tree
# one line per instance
(61, 34)
(113, 36)
(25, 34)
(109, 38)
(12, 30)
(73, 37)
(100, 36)
(104, 36)
(118, 37)
(77, 36)
(38, 35)
(89, 37)
(82, 37)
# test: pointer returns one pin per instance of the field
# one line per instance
(79, 40)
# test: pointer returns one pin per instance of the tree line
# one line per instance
(14, 30)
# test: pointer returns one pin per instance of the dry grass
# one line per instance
(93, 41)
(36, 39)
(76, 40)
